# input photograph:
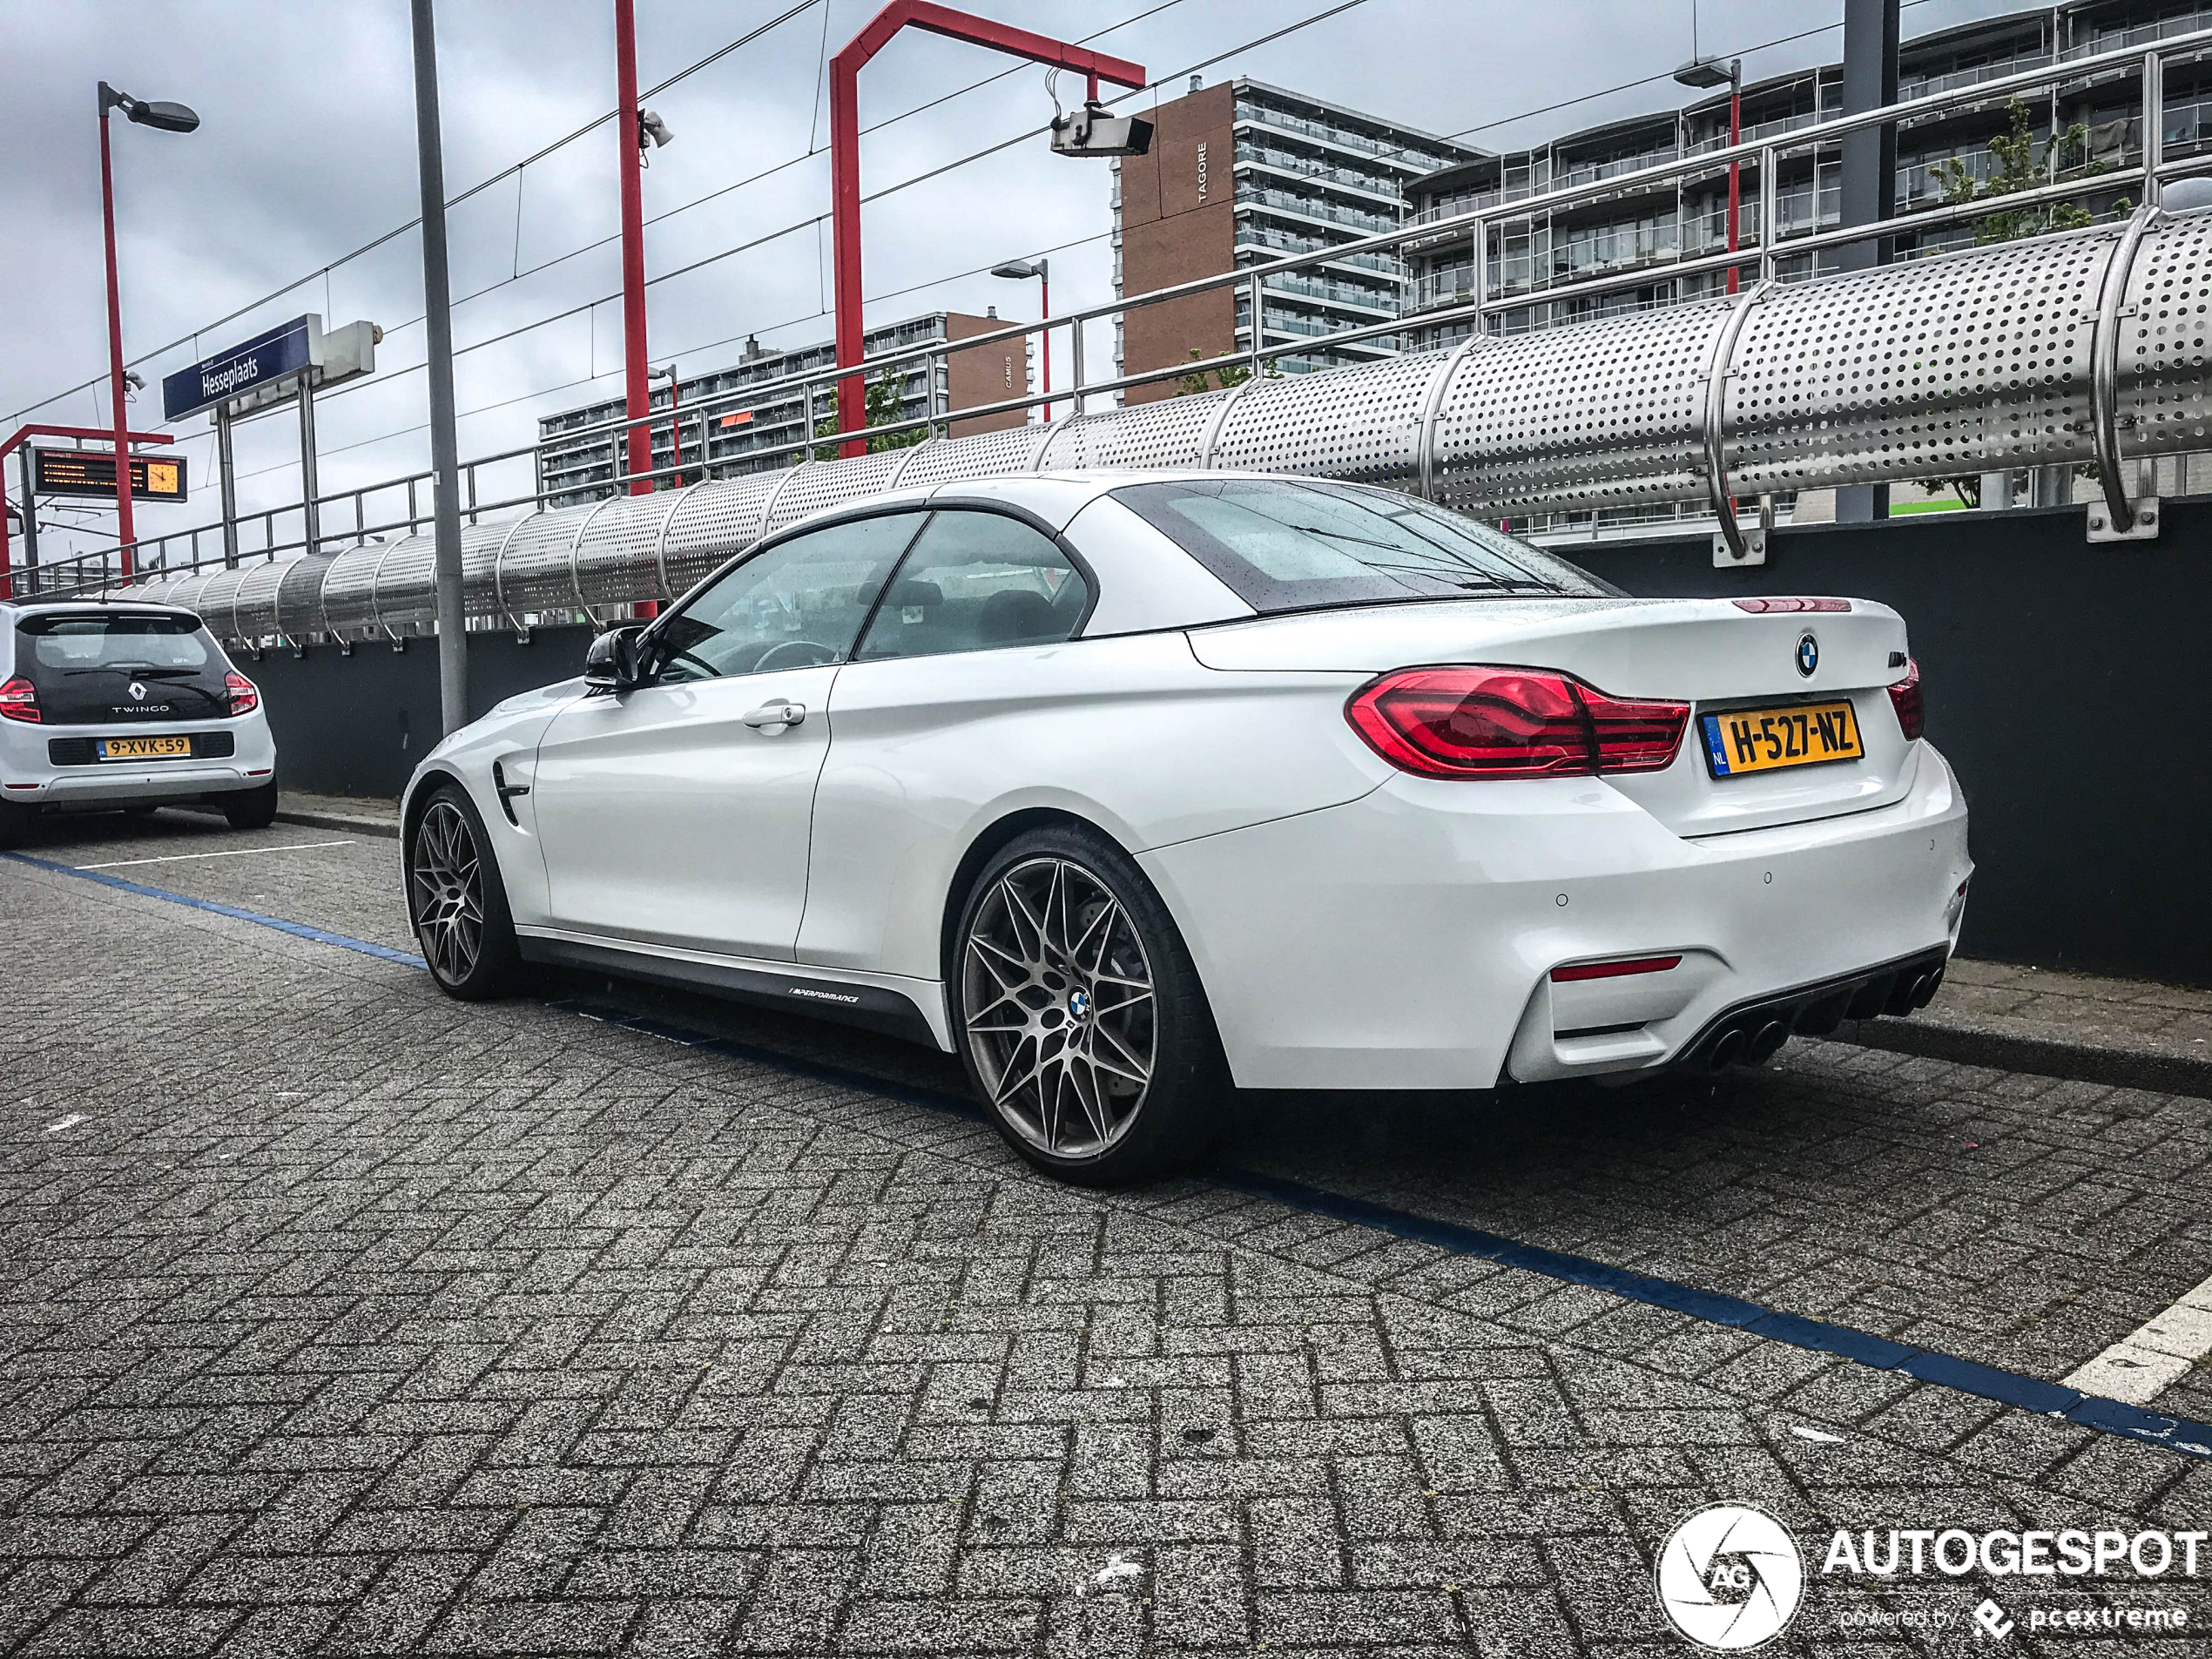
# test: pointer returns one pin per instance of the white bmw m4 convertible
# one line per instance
(1132, 788)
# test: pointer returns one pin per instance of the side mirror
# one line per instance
(612, 663)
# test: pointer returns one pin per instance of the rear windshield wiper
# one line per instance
(141, 669)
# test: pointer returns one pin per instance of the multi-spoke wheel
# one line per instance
(455, 899)
(1080, 1015)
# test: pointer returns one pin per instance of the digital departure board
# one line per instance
(91, 472)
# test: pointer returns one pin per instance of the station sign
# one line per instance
(91, 472)
(282, 353)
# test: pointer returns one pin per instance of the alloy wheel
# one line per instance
(448, 893)
(1057, 991)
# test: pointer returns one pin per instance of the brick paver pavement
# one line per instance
(348, 1319)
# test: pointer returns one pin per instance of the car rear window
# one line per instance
(119, 641)
(1298, 544)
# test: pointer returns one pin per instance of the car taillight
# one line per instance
(1904, 698)
(1511, 723)
(19, 701)
(245, 697)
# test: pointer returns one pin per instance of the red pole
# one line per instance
(845, 153)
(845, 242)
(637, 391)
(1735, 168)
(126, 530)
(637, 399)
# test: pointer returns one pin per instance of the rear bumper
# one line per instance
(28, 778)
(1406, 939)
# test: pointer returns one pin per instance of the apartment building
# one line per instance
(1241, 172)
(731, 438)
(1637, 232)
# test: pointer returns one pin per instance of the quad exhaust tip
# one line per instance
(1755, 1040)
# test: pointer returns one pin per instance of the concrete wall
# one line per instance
(2064, 681)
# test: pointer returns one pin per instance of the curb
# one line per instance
(2045, 1057)
(385, 828)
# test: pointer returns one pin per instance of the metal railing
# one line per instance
(818, 386)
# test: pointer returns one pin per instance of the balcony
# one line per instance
(1306, 166)
(1308, 207)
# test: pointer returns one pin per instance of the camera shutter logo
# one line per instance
(1730, 1577)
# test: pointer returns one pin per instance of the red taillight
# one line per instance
(1904, 698)
(245, 697)
(1511, 723)
(19, 701)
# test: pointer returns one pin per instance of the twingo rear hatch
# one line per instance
(1785, 704)
(112, 666)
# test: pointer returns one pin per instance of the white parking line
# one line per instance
(2144, 1363)
(233, 852)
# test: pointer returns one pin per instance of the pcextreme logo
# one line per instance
(1730, 1577)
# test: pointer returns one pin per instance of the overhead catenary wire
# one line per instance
(516, 169)
(375, 243)
(709, 259)
(586, 306)
(703, 346)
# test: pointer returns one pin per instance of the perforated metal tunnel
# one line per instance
(1963, 363)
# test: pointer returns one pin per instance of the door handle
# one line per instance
(776, 715)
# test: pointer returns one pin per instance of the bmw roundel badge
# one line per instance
(1808, 653)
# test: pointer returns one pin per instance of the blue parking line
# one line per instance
(298, 930)
(2180, 1434)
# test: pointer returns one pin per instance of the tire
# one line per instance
(251, 808)
(15, 824)
(1079, 1014)
(455, 901)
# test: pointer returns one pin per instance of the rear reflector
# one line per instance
(1475, 722)
(1769, 607)
(1904, 698)
(1613, 970)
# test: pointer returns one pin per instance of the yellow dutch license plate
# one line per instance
(1801, 734)
(145, 748)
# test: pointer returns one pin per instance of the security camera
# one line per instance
(1092, 132)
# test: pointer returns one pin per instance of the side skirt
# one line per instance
(874, 1008)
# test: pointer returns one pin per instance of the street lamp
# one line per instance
(1705, 74)
(162, 118)
(1020, 270)
(667, 372)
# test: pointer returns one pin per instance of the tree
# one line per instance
(1226, 375)
(2017, 166)
(880, 407)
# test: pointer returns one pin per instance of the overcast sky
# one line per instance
(306, 152)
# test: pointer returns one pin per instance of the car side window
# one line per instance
(976, 581)
(800, 603)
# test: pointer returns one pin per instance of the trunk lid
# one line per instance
(1712, 654)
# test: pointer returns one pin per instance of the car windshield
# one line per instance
(118, 641)
(1298, 544)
